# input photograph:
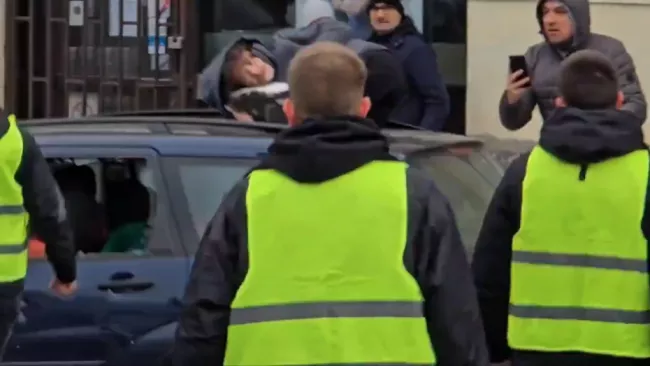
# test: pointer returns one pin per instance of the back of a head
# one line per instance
(588, 81)
(326, 80)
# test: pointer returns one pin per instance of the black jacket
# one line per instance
(318, 151)
(575, 136)
(387, 89)
(46, 209)
(427, 104)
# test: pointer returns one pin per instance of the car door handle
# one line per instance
(125, 286)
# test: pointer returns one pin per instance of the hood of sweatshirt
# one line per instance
(586, 137)
(580, 13)
(320, 150)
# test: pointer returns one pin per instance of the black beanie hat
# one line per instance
(395, 4)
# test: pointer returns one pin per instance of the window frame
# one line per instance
(163, 232)
(185, 222)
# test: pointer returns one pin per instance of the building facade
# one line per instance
(498, 28)
(79, 58)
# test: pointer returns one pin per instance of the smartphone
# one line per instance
(518, 62)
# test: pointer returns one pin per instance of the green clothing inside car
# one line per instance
(127, 238)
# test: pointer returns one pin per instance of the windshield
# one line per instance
(467, 179)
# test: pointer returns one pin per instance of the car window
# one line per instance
(463, 179)
(205, 182)
(113, 211)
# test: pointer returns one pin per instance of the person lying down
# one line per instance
(259, 103)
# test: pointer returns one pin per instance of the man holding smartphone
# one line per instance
(565, 25)
(561, 263)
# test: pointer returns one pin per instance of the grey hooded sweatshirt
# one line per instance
(211, 89)
(544, 66)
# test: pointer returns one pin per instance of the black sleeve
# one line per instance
(46, 208)
(387, 88)
(213, 283)
(451, 307)
(430, 86)
(517, 115)
(492, 256)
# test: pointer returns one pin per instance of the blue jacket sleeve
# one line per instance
(421, 67)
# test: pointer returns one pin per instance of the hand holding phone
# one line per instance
(518, 62)
(518, 80)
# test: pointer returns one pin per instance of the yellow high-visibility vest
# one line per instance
(13, 217)
(579, 276)
(326, 282)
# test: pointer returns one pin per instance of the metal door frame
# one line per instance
(44, 93)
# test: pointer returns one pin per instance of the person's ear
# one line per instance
(560, 102)
(364, 107)
(620, 100)
(290, 111)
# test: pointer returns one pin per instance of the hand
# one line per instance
(240, 116)
(243, 117)
(63, 289)
(516, 86)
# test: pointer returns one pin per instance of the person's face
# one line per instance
(556, 22)
(252, 71)
(384, 18)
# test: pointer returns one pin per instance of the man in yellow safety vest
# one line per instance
(561, 263)
(331, 251)
(29, 203)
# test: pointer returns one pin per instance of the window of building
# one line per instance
(223, 20)
(445, 21)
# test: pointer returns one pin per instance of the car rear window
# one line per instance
(205, 183)
(465, 177)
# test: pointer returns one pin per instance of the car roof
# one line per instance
(171, 133)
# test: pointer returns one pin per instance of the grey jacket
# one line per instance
(543, 65)
(276, 51)
(287, 42)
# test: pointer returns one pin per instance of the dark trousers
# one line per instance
(9, 309)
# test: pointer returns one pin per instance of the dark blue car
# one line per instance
(128, 302)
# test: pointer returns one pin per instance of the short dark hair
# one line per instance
(588, 81)
(231, 61)
(326, 80)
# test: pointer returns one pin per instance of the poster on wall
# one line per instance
(413, 8)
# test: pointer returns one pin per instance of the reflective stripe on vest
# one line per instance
(13, 218)
(331, 289)
(579, 276)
